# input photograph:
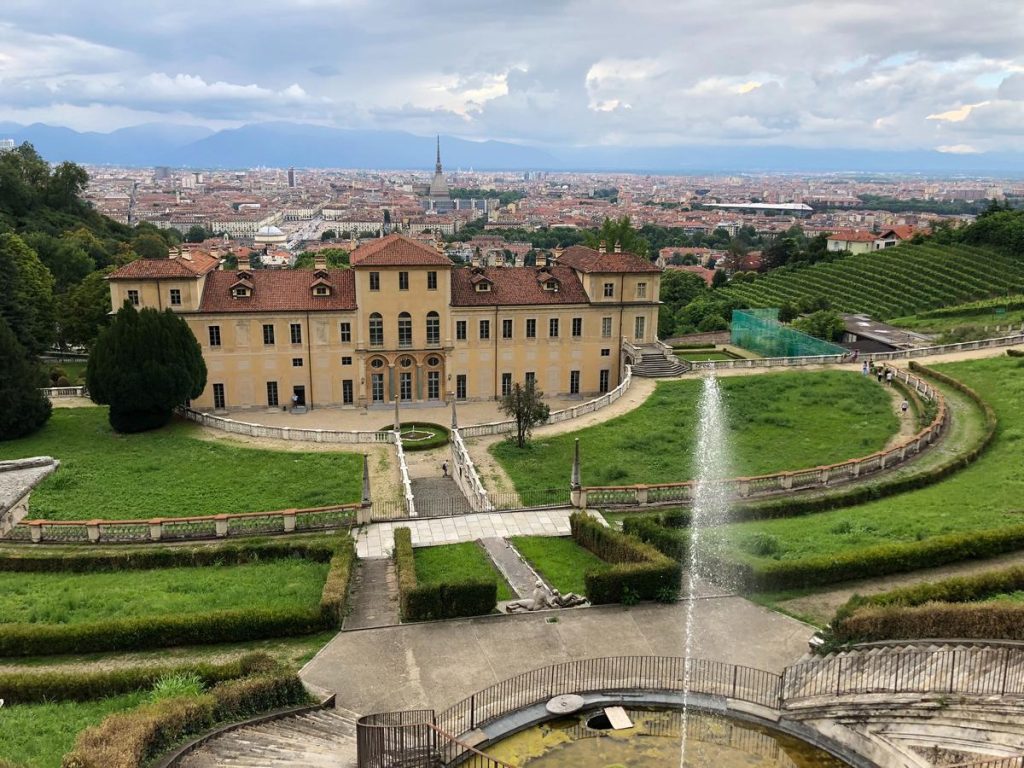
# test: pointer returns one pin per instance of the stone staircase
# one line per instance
(322, 738)
(438, 496)
(658, 363)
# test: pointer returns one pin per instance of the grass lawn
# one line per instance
(561, 561)
(75, 371)
(776, 422)
(171, 473)
(38, 735)
(944, 324)
(64, 598)
(458, 562)
(986, 495)
(702, 356)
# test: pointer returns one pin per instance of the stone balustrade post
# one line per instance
(36, 532)
(92, 528)
(288, 518)
(156, 529)
(221, 525)
(787, 481)
(641, 494)
(744, 487)
(825, 474)
(364, 515)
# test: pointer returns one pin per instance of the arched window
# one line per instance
(433, 328)
(376, 330)
(405, 330)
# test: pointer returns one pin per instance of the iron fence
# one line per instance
(412, 740)
(994, 762)
(530, 499)
(389, 510)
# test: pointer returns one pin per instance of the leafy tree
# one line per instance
(824, 324)
(25, 409)
(26, 295)
(143, 366)
(150, 246)
(719, 279)
(256, 260)
(808, 304)
(85, 311)
(328, 234)
(618, 232)
(196, 234)
(64, 186)
(788, 312)
(64, 257)
(525, 405)
(230, 261)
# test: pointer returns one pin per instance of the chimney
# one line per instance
(603, 247)
(319, 262)
(557, 254)
(618, 247)
(542, 258)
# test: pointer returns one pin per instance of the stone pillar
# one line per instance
(288, 518)
(787, 481)
(221, 525)
(156, 530)
(366, 500)
(419, 382)
(574, 479)
(641, 494)
(455, 416)
(398, 420)
(36, 532)
(93, 530)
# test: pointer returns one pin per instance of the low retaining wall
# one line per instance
(59, 392)
(286, 433)
(824, 476)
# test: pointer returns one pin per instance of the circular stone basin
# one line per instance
(654, 741)
(414, 435)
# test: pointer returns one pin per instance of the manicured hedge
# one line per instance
(339, 576)
(640, 572)
(671, 542)
(75, 685)
(423, 602)
(143, 558)
(130, 739)
(441, 435)
(1015, 352)
(998, 620)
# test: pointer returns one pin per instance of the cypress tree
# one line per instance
(23, 408)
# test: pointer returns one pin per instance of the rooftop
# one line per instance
(190, 264)
(516, 286)
(584, 259)
(397, 251)
(280, 290)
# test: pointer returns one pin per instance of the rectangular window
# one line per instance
(405, 385)
(606, 327)
(641, 290)
(272, 394)
(553, 328)
(485, 329)
(603, 385)
(377, 387)
(133, 298)
(346, 360)
(506, 384)
(375, 281)
(531, 328)
(346, 392)
(577, 327)
(639, 328)
(574, 382)
(404, 331)
(460, 386)
(433, 328)
(214, 335)
(346, 333)
(460, 330)
(403, 281)
(175, 297)
(296, 362)
(296, 330)
(606, 352)
(530, 378)
(219, 401)
(268, 334)
(431, 281)
(433, 385)
(376, 330)
(609, 290)
(506, 329)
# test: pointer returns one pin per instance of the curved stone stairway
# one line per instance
(324, 738)
(656, 363)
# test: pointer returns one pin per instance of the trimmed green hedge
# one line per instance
(75, 685)
(130, 739)
(440, 438)
(1015, 352)
(145, 558)
(999, 620)
(639, 571)
(669, 541)
(339, 576)
(424, 602)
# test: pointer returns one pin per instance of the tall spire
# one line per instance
(437, 166)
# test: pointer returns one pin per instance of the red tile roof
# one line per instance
(854, 236)
(515, 286)
(280, 291)
(902, 232)
(707, 274)
(194, 264)
(397, 251)
(584, 259)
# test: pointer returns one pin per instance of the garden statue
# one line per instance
(540, 599)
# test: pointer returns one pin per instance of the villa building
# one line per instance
(403, 322)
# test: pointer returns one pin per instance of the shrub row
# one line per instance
(339, 576)
(75, 685)
(130, 739)
(441, 436)
(233, 626)
(1015, 352)
(992, 621)
(873, 561)
(143, 558)
(669, 541)
(975, 308)
(639, 571)
(423, 602)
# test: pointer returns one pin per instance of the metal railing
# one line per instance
(413, 740)
(993, 762)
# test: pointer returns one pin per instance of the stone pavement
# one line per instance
(373, 600)
(377, 539)
(517, 572)
(435, 664)
(439, 495)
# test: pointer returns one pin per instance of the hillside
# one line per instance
(898, 281)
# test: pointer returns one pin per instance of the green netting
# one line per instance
(760, 331)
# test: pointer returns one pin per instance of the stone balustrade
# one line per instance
(403, 471)
(465, 475)
(286, 433)
(59, 392)
(825, 476)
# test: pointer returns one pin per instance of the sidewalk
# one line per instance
(377, 539)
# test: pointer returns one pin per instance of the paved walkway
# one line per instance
(439, 495)
(377, 539)
(373, 601)
(517, 572)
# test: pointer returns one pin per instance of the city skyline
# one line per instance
(863, 75)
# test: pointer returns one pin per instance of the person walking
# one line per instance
(864, 368)
(444, 468)
(880, 374)
(904, 406)
(888, 377)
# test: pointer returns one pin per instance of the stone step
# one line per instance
(373, 600)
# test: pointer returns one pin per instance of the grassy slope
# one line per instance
(54, 598)
(38, 735)
(170, 473)
(561, 561)
(989, 494)
(806, 418)
(967, 320)
(458, 562)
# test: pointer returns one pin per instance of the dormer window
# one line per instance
(483, 287)
(551, 285)
(242, 287)
(321, 290)
(241, 292)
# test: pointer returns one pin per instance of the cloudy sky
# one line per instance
(898, 74)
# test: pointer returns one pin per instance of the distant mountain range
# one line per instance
(282, 144)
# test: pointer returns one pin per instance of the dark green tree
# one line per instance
(84, 311)
(150, 246)
(143, 366)
(23, 407)
(67, 261)
(719, 279)
(525, 406)
(824, 324)
(329, 234)
(26, 295)
(65, 185)
(196, 234)
(618, 232)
